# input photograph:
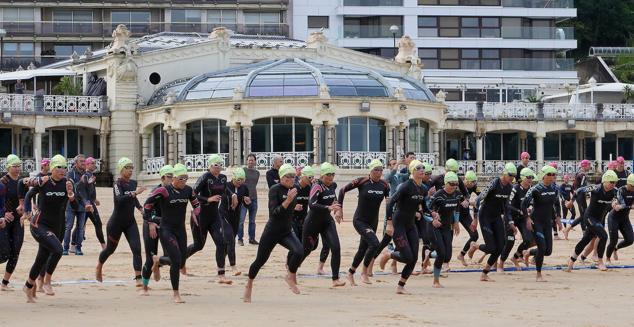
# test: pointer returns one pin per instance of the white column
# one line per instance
(316, 143)
(180, 144)
(331, 154)
(436, 149)
(145, 148)
(171, 151)
(37, 149)
(246, 142)
(389, 135)
(598, 152)
(479, 152)
(539, 144)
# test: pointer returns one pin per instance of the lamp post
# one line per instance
(3, 33)
(394, 30)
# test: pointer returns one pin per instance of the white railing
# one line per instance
(429, 158)
(16, 102)
(466, 165)
(628, 165)
(618, 111)
(466, 110)
(198, 162)
(584, 111)
(28, 165)
(359, 159)
(71, 163)
(72, 104)
(153, 165)
(569, 167)
(510, 110)
(495, 167)
(265, 159)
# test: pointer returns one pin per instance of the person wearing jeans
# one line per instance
(75, 176)
(252, 177)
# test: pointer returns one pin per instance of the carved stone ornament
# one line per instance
(406, 49)
(170, 98)
(317, 40)
(127, 69)
(121, 36)
(222, 35)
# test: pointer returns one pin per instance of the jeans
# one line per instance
(81, 226)
(253, 210)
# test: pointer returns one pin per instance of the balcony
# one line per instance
(538, 64)
(538, 33)
(54, 104)
(531, 111)
(374, 31)
(539, 3)
(358, 159)
(103, 30)
(373, 3)
(198, 162)
(264, 160)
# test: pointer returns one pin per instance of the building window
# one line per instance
(16, 20)
(6, 134)
(418, 136)
(137, 21)
(282, 134)
(158, 142)
(560, 146)
(460, 58)
(263, 22)
(72, 21)
(185, 20)
(427, 26)
(448, 26)
(18, 49)
(222, 17)
(66, 50)
(318, 22)
(372, 27)
(361, 134)
(207, 136)
(373, 2)
(501, 146)
(459, 2)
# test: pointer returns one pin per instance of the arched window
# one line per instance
(281, 134)
(207, 136)
(418, 136)
(361, 134)
(158, 141)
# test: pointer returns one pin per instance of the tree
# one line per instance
(67, 86)
(624, 68)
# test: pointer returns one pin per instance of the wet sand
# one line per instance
(584, 298)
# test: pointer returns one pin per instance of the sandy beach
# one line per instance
(587, 297)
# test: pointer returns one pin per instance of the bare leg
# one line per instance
(500, 268)
(540, 278)
(436, 283)
(516, 262)
(320, 268)
(567, 230)
(155, 268)
(40, 284)
(394, 268)
(385, 257)
(291, 280)
(47, 287)
(472, 248)
(370, 268)
(177, 297)
(29, 292)
(248, 288)
(526, 255)
(99, 272)
(462, 260)
(350, 277)
(401, 289)
(571, 263)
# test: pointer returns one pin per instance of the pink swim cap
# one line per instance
(45, 161)
(585, 163)
(620, 160)
(89, 160)
(553, 164)
(612, 165)
(525, 155)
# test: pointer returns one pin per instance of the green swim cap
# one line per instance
(327, 168)
(214, 159)
(413, 165)
(509, 169)
(13, 160)
(122, 163)
(428, 167)
(451, 165)
(375, 163)
(179, 170)
(470, 176)
(239, 173)
(308, 171)
(548, 170)
(58, 160)
(609, 176)
(167, 169)
(527, 172)
(286, 169)
(451, 177)
(630, 179)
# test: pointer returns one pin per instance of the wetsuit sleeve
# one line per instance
(313, 200)
(463, 189)
(490, 189)
(152, 200)
(137, 204)
(349, 187)
(394, 199)
(22, 189)
(557, 204)
(528, 200)
(435, 203)
(511, 206)
(389, 175)
(118, 194)
(193, 200)
(619, 197)
(3, 194)
(27, 199)
(476, 207)
(199, 188)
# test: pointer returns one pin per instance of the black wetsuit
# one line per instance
(5, 252)
(48, 223)
(466, 219)
(278, 230)
(409, 199)
(303, 194)
(366, 216)
(91, 193)
(622, 175)
(518, 177)
(620, 221)
(493, 207)
(447, 206)
(517, 217)
(209, 220)
(13, 232)
(581, 180)
(319, 221)
(600, 204)
(230, 218)
(122, 222)
(566, 192)
(546, 207)
(172, 204)
(151, 244)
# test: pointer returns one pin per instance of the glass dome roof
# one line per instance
(293, 77)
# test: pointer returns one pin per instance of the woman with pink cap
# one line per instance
(621, 172)
(525, 157)
(581, 180)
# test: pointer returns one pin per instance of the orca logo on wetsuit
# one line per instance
(548, 193)
(179, 201)
(300, 197)
(501, 196)
(418, 197)
(55, 193)
(451, 205)
(326, 197)
(604, 201)
(375, 192)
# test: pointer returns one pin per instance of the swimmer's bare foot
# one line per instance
(291, 280)
(445, 267)
(615, 255)
(472, 248)
(485, 278)
(39, 282)
(500, 266)
(350, 277)
(235, 271)
(320, 269)
(139, 282)
(29, 294)
(566, 231)
(48, 289)
(184, 271)
(155, 268)
(246, 297)
(384, 258)
(436, 283)
(99, 272)
(570, 265)
(601, 266)
(224, 280)
(365, 278)
(462, 260)
(595, 257)
(401, 290)
(177, 298)
(145, 291)
(338, 283)
(516, 262)
(525, 256)
(370, 268)
(539, 277)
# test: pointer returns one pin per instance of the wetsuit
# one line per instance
(47, 223)
(622, 175)
(466, 219)
(209, 220)
(151, 244)
(172, 205)
(600, 204)
(545, 202)
(409, 199)
(278, 230)
(565, 193)
(620, 221)
(366, 216)
(303, 194)
(518, 177)
(446, 205)
(230, 218)
(319, 221)
(493, 207)
(581, 180)
(5, 252)
(13, 232)
(514, 208)
(122, 222)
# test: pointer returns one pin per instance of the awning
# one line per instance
(31, 73)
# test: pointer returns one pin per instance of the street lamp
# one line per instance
(394, 30)
(3, 33)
